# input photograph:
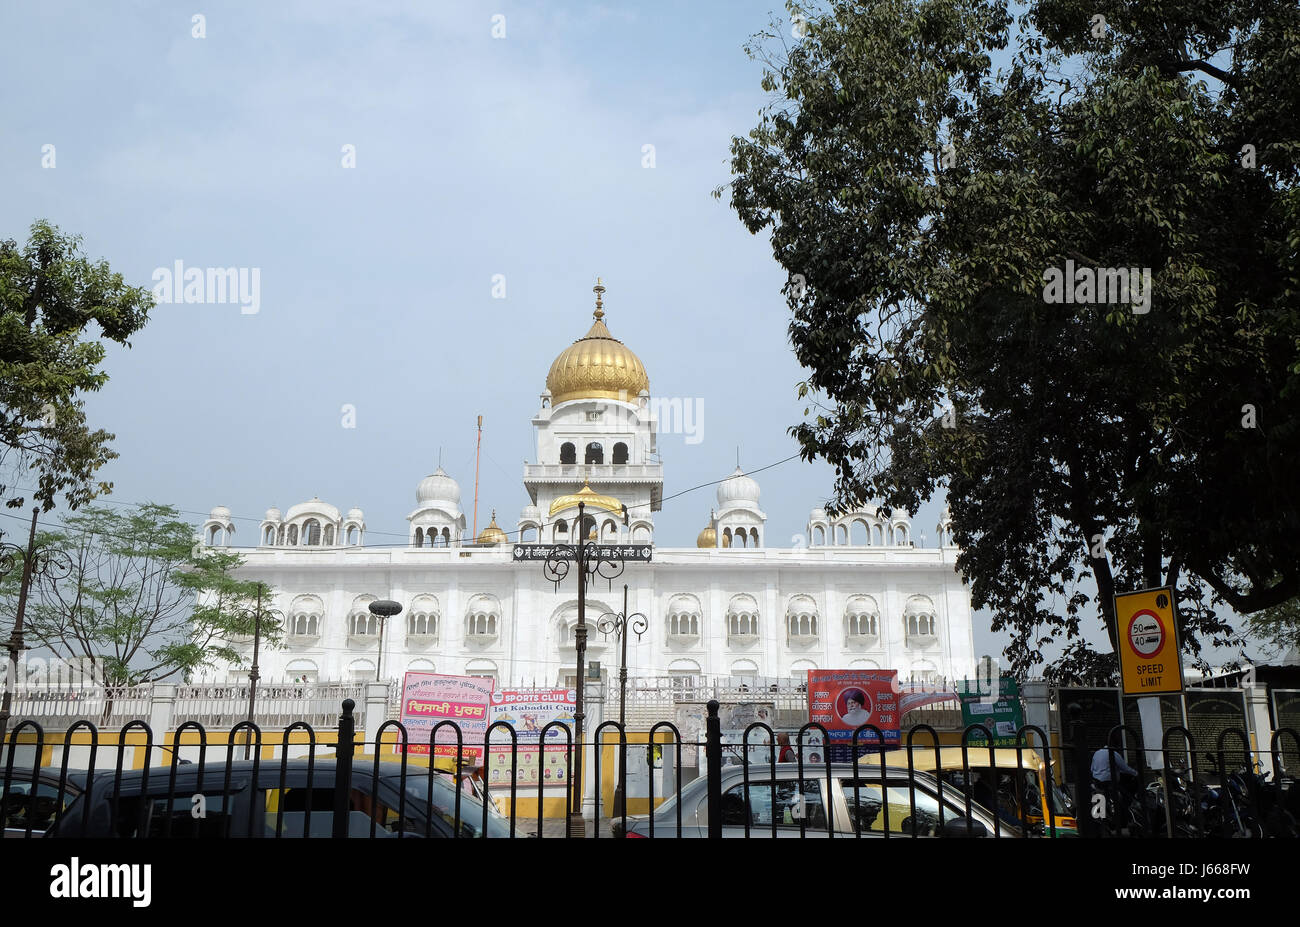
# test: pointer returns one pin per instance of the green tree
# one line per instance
(49, 295)
(918, 198)
(1276, 628)
(143, 599)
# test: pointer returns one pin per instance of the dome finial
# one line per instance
(599, 290)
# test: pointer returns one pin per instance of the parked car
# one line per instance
(823, 803)
(204, 803)
(1018, 782)
(31, 815)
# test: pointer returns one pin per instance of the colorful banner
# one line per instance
(528, 712)
(843, 700)
(999, 712)
(428, 698)
(919, 694)
(553, 769)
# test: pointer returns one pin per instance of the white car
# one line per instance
(827, 801)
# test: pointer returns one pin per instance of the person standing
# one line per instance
(787, 751)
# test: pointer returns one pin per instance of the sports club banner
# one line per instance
(528, 712)
(429, 698)
(843, 700)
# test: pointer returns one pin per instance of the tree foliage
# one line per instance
(143, 599)
(49, 295)
(917, 195)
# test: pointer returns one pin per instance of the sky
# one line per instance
(426, 193)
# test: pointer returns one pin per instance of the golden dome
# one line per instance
(589, 496)
(708, 538)
(492, 534)
(597, 366)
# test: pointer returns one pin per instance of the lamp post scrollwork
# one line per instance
(619, 624)
(590, 560)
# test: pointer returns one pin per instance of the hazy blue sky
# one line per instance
(474, 156)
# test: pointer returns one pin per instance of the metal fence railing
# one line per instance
(193, 782)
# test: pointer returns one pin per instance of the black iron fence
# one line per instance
(917, 783)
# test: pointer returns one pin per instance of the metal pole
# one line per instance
(577, 826)
(713, 759)
(622, 670)
(16, 638)
(253, 675)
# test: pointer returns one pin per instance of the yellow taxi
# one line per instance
(1017, 782)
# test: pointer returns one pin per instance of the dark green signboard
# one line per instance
(998, 711)
(1286, 714)
(1210, 712)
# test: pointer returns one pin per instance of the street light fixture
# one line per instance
(607, 562)
(618, 624)
(253, 674)
(383, 609)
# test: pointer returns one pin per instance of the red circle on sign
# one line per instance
(1147, 613)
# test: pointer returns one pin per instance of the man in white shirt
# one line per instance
(1101, 761)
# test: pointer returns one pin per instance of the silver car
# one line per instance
(825, 802)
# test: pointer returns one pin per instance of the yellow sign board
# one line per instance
(1148, 642)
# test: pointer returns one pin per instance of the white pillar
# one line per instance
(162, 708)
(1257, 719)
(376, 710)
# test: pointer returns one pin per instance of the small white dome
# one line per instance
(314, 507)
(355, 514)
(737, 488)
(438, 487)
(220, 513)
(272, 514)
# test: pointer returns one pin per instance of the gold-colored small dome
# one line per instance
(597, 366)
(708, 538)
(492, 534)
(590, 497)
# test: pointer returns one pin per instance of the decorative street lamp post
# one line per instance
(253, 674)
(383, 609)
(37, 561)
(618, 624)
(595, 559)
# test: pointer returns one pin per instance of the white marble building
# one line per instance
(859, 593)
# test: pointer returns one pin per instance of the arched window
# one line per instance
(304, 624)
(620, 453)
(819, 535)
(282, 529)
(753, 537)
(293, 535)
(268, 538)
(568, 453)
(329, 535)
(595, 453)
(419, 537)
(609, 532)
(859, 533)
(561, 527)
(311, 532)
(352, 536)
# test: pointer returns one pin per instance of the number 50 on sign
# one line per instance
(1148, 642)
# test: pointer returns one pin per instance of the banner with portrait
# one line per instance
(843, 700)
